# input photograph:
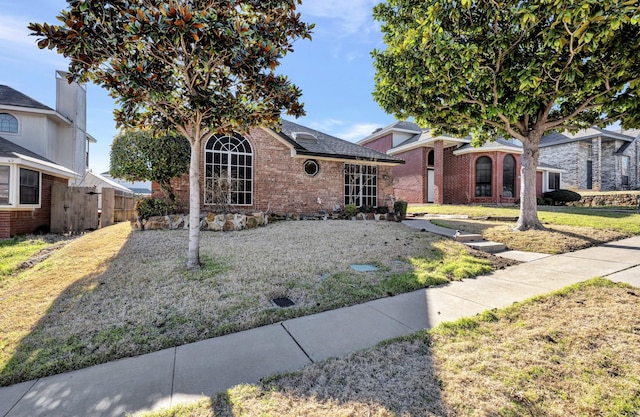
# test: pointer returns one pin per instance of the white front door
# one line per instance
(431, 182)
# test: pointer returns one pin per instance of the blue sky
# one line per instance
(334, 70)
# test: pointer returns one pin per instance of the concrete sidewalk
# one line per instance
(188, 372)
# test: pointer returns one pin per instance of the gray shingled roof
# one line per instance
(330, 146)
(11, 97)
(557, 138)
(11, 150)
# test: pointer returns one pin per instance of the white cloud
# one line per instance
(351, 15)
(358, 131)
(14, 31)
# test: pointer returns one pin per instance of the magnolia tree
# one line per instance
(141, 156)
(197, 67)
(512, 68)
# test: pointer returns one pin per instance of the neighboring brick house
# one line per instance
(296, 170)
(448, 170)
(38, 147)
(594, 159)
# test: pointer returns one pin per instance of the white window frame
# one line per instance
(14, 188)
(358, 191)
(8, 184)
(245, 167)
(6, 132)
(545, 181)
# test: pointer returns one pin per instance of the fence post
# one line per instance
(108, 207)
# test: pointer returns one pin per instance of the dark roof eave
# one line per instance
(348, 157)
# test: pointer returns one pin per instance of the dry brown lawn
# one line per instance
(556, 239)
(572, 353)
(115, 293)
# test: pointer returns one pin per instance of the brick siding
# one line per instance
(22, 221)
(281, 184)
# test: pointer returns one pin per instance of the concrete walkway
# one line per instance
(188, 372)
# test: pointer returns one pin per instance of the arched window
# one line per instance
(8, 123)
(431, 159)
(228, 168)
(483, 177)
(509, 176)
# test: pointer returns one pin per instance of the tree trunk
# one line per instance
(528, 199)
(193, 259)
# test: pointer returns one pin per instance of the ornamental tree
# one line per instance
(512, 68)
(141, 156)
(197, 67)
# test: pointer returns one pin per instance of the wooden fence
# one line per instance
(75, 209)
(117, 206)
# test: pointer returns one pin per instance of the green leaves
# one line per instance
(494, 64)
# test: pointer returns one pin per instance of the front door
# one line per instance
(431, 185)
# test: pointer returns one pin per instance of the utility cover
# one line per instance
(364, 267)
(283, 302)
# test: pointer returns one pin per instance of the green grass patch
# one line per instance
(17, 250)
(626, 221)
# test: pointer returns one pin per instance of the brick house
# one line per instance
(296, 170)
(39, 146)
(594, 159)
(448, 170)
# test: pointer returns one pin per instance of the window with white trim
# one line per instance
(5, 176)
(8, 123)
(553, 182)
(228, 168)
(29, 186)
(624, 169)
(361, 185)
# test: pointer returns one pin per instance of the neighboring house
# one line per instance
(448, 170)
(296, 170)
(139, 188)
(39, 146)
(594, 159)
(99, 181)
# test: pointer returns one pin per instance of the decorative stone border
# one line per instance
(613, 199)
(235, 221)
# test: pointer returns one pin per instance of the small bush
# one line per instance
(150, 207)
(349, 210)
(400, 208)
(560, 197)
(382, 209)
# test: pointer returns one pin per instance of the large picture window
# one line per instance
(29, 186)
(483, 176)
(228, 168)
(361, 185)
(4, 184)
(8, 123)
(509, 176)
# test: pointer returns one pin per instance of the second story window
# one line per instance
(8, 123)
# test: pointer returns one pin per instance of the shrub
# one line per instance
(400, 208)
(560, 197)
(150, 207)
(350, 210)
(382, 209)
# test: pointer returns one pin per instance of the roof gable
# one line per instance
(329, 146)
(11, 97)
(560, 138)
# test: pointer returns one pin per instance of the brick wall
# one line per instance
(281, 184)
(17, 222)
(410, 178)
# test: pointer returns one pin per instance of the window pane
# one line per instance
(229, 158)
(509, 176)
(8, 123)
(483, 177)
(29, 186)
(4, 185)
